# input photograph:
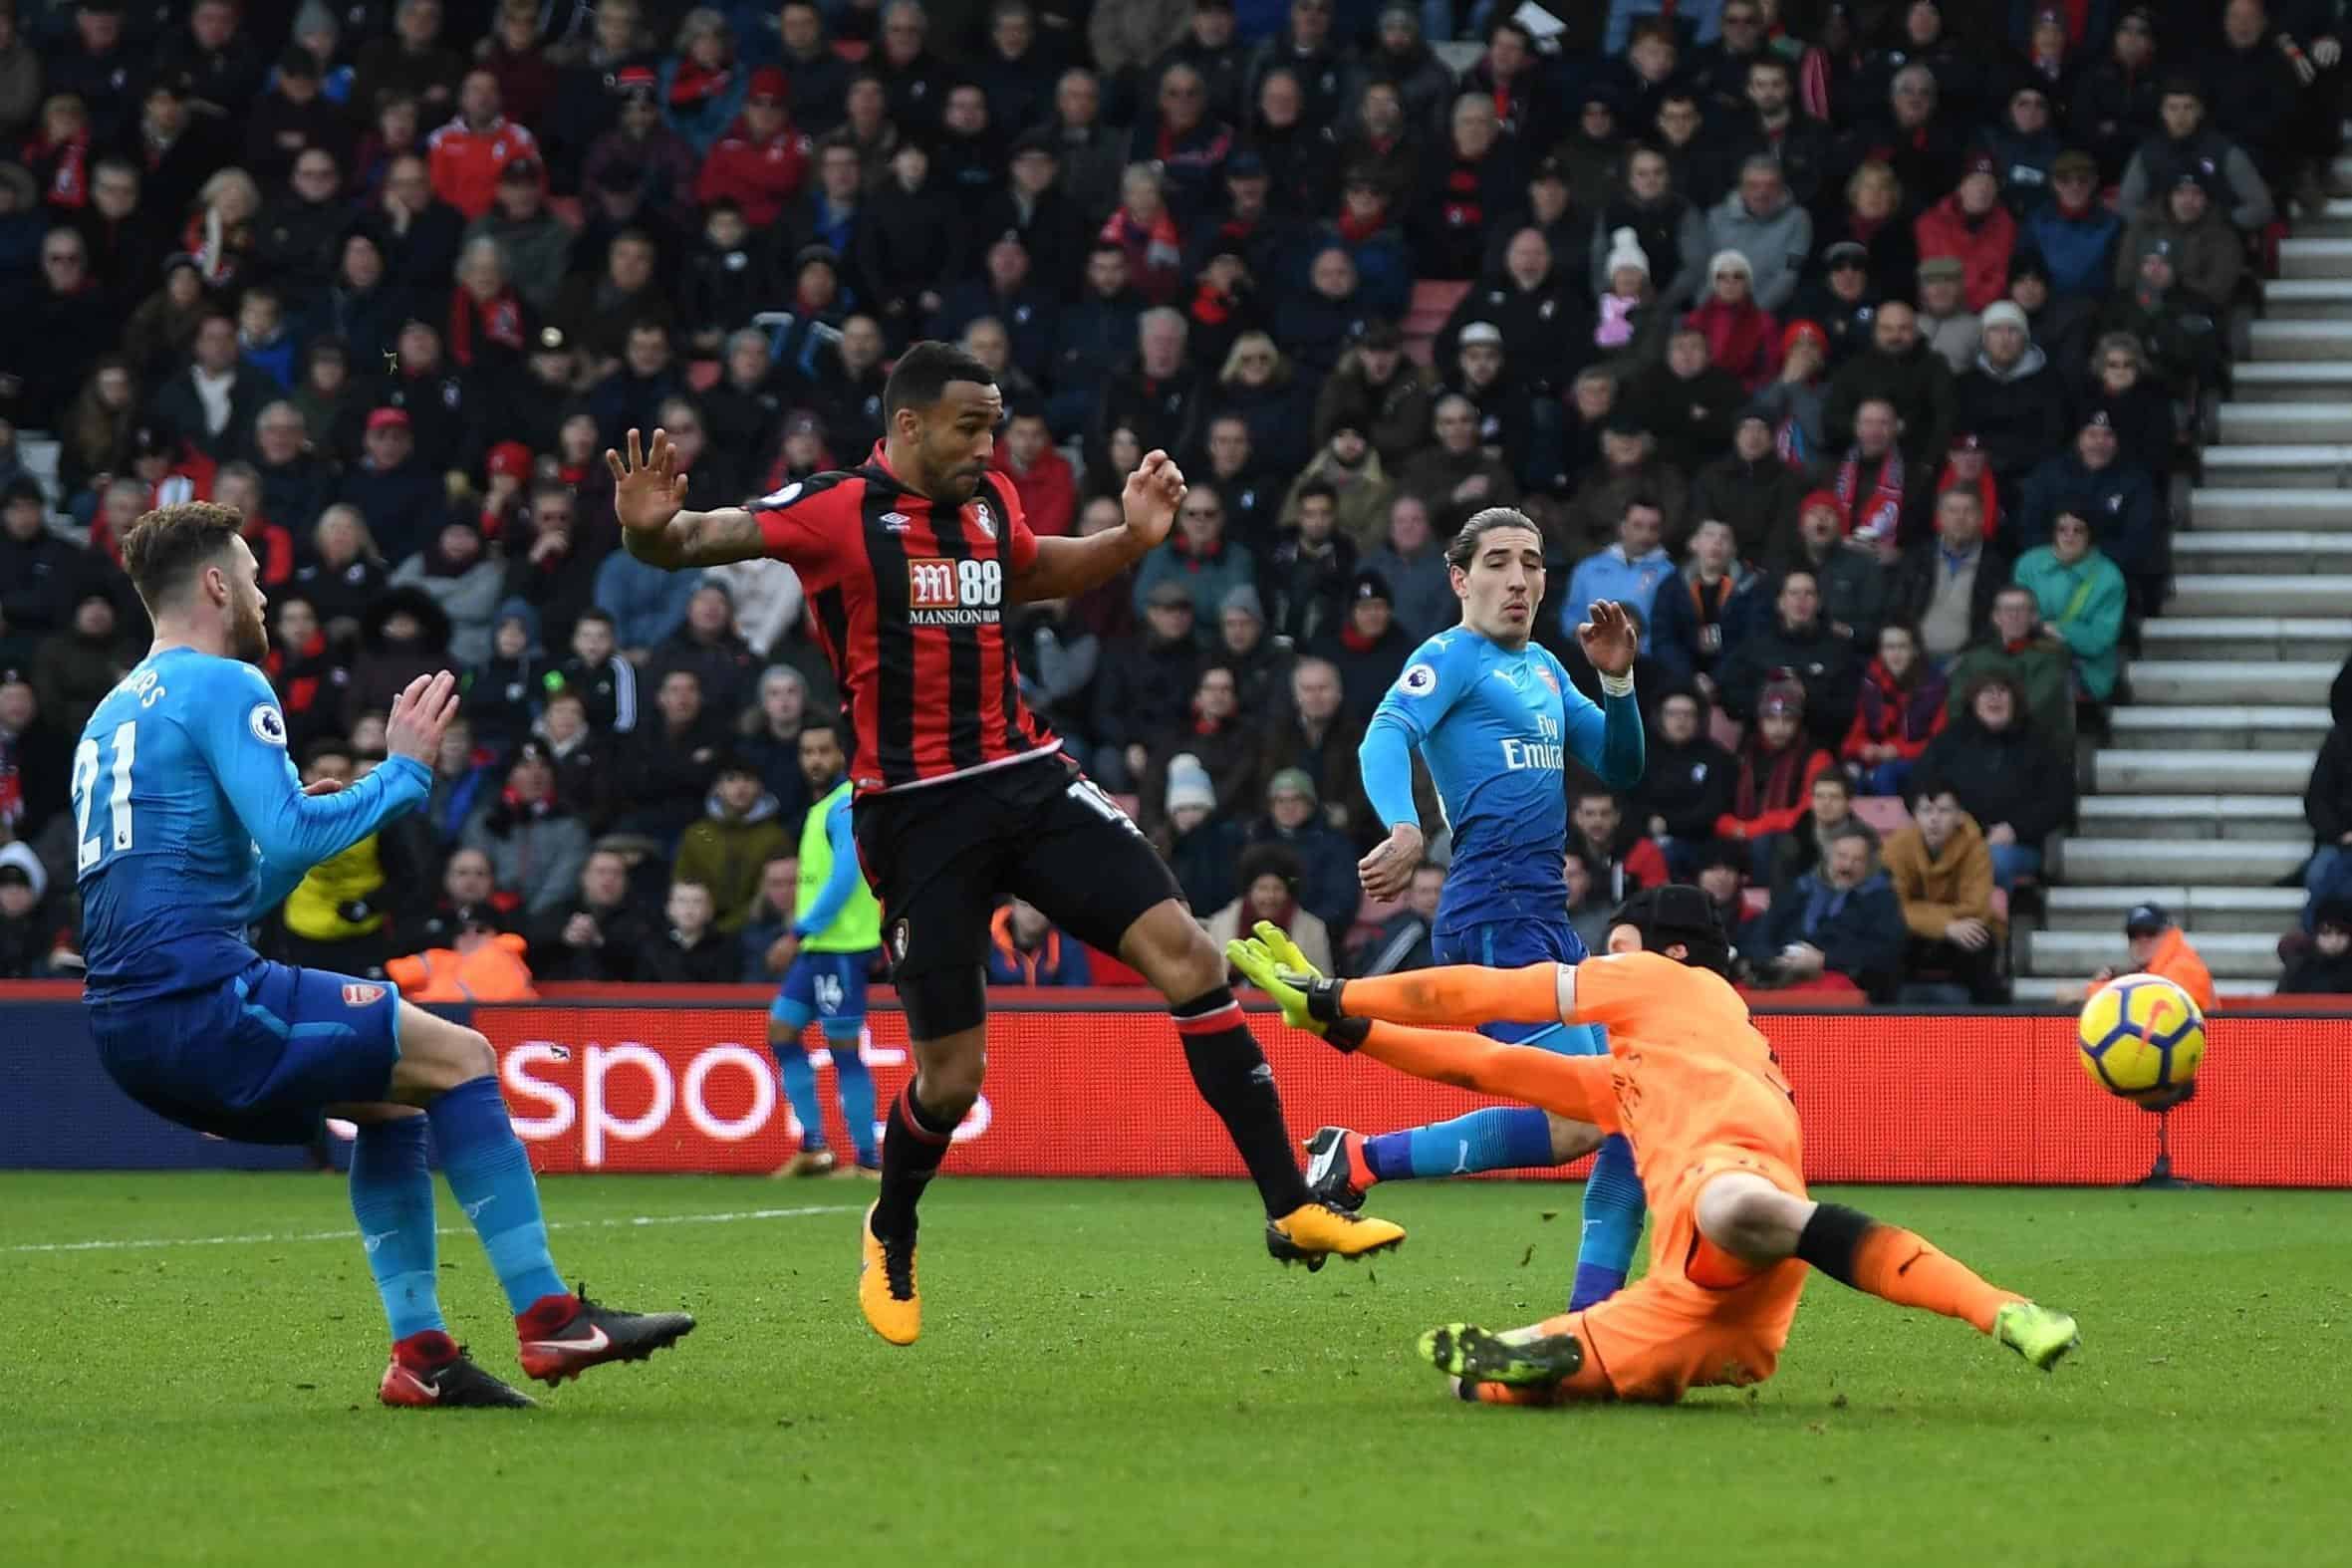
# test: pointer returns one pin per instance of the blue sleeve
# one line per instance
(1607, 738)
(239, 732)
(840, 881)
(1420, 700)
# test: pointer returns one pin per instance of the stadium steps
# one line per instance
(2232, 863)
(2271, 818)
(2322, 381)
(2194, 796)
(2245, 910)
(2301, 639)
(2236, 550)
(2259, 594)
(2144, 727)
(2309, 299)
(2277, 341)
(2329, 256)
(2306, 419)
(2190, 772)
(2231, 509)
(2294, 466)
(2302, 683)
(2243, 955)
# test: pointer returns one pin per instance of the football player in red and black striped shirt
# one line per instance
(963, 795)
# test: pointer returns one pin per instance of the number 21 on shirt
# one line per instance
(86, 768)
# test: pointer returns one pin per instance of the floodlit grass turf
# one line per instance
(1113, 1372)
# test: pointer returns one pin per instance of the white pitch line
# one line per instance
(725, 1217)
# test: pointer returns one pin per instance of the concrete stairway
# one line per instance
(2194, 801)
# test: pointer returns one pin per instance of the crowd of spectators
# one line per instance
(1849, 345)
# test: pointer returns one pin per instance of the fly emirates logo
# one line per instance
(1545, 751)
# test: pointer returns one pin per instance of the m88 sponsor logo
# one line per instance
(942, 592)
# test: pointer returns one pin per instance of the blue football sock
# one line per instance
(853, 1082)
(491, 1176)
(1500, 1138)
(392, 1197)
(1613, 1212)
(800, 1087)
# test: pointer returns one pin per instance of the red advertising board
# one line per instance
(1103, 1093)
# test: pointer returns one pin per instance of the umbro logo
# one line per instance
(897, 522)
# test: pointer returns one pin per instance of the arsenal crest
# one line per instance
(355, 994)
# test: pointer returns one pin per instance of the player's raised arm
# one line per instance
(649, 499)
(1607, 739)
(1067, 566)
(245, 741)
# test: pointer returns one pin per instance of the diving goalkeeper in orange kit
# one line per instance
(1715, 1138)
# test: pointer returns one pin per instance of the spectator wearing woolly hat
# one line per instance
(1327, 859)
(2010, 399)
(1742, 336)
(1200, 845)
(1368, 648)
(2209, 257)
(1971, 224)
(1946, 318)
(2073, 232)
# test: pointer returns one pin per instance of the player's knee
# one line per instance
(1753, 1222)
(949, 1074)
(1572, 1139)
(1178, 957)
(473, 1056)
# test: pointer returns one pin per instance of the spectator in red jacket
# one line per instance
(1901, 710)
(762, 161)
(1972, 225)
(1778, 767)
(1041, 476)
(466, 154)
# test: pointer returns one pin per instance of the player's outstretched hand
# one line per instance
(1153, 492)
(420, 717)
(648, 489)
(1609, 639)
(1262, 968)
(1289, 960)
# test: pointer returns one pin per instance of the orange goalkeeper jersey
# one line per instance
(1688, 1069)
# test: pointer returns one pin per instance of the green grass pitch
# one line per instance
(1113, 1373)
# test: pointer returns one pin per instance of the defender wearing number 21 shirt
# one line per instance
(961, 795)
(191, 824)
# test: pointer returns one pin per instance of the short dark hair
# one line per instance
(595, 613)
(822, 724)
(1462, 548)
(922, 374)
(327, 746)
(166, 546)
(1318, 488)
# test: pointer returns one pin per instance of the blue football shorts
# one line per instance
(258, 1058)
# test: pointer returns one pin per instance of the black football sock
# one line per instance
(1233, 1076)
(912, 1145)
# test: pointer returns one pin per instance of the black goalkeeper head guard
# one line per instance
(1677, 914)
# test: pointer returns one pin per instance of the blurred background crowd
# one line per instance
(1853, 347)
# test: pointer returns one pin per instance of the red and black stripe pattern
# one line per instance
(908, 602)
